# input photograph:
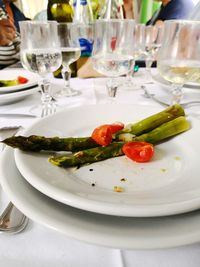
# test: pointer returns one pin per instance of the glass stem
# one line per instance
(130, 74)
(112, 86)
(66, 75)
(46, 92)
(148, 64)
(177, 93)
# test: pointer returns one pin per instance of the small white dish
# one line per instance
(17, 96)
(10, 74)
(169, 184)
(105, 230)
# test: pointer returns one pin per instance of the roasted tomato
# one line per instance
(22, 80)
(138, 151)
(102, 135)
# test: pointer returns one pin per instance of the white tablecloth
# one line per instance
(40, 246)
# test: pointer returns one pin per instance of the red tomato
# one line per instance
(22, 80)
(138, 151)
(102, 135)
(117, 126)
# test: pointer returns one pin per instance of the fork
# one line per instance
(12, 220)
(153, 97)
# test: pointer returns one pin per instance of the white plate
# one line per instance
(156, 77)
(17, 96)
(112, 231)
(169, 184)
(10, 74)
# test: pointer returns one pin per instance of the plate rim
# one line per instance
(8, 98)
(101, 233)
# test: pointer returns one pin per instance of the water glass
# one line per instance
(40, 53)
(113, 51)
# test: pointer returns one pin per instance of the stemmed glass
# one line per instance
(152, 39)
(139, 47)
(68, 35)
(179, 57)
(113, 50)
(40, 53)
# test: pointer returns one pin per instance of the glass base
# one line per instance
(67, 92)
(128, 84)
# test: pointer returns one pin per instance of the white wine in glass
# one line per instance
(71, 51)
(179, 57)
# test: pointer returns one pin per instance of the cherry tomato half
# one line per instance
(22, 80)
(102, 135)
(138, 151)
(115, 127)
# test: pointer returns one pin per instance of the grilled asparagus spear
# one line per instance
(38, 143)
(92, 155)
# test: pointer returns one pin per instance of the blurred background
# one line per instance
(143, 9)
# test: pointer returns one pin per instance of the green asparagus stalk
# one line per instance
(37, 143)
(88, 156)
(92, 155)
(152, 122)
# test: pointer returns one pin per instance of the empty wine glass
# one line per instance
(139, 47)
(68, 35)
(179, 57)
(40, 53)
(113, 50)
(153, 40)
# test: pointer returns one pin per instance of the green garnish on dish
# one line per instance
(19, 80)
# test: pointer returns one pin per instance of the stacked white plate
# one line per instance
(158, 207)
(10, 94)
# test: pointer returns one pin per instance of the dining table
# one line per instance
(43, 243)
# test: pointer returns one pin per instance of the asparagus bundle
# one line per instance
(92, 155)
(37, 143)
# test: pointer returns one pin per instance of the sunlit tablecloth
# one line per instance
(38, 246)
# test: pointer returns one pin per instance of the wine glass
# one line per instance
(152, 39)
(68, 35)
(179, 57)
(113, 50)
(139, 47)
(40, 53)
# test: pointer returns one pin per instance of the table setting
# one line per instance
(115, 211)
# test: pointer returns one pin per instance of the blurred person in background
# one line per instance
(171, 9)
(13, 12)
(10, 16)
